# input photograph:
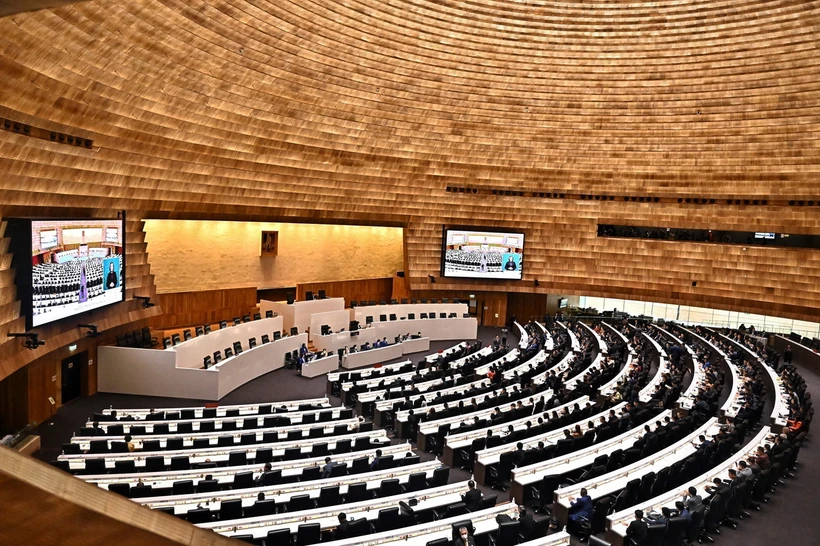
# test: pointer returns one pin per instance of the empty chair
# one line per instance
(298, 503)
(180, 463)
(121, 489)
(230, 509)
(389, 487)
(308, 533)
(174, 444)
(451, 511)
(388, 520)
(311, 473)
(243, 480)
(265, 507)
(416, 482)
(278, 536)
(357, 492)
(338, 470)
(156, 463)
(237, 458)
(329, 496)
(129, 466)
(507, 533)
(186, 334)
(199, 515)
(183, 487)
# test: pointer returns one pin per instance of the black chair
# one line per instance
(389, 488)
(298, 503)
(265, 507)
(230, 509)
(451, 511)
(121, 489)
(265, 339)
(183, 487)
(329, 496)
(199, 515)
(207, 486)
(278, 536)
(186, 334)
(308, 533)
(357, 492)
(243, 480)
(508, 533)
(416, 482)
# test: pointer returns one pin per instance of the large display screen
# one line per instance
(71, 266)
(481, 254)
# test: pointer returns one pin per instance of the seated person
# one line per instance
(472, 498)
(637, 528)
(580, 508)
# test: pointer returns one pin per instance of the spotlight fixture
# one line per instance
(92, 330)
(146, 301)
(536, 283)
(432, 279)
(32, 340)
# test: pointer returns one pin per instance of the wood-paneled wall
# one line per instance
(525, 307)
(43, 505)
(205, 307)
(361, 289)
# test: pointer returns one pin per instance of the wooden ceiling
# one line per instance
(364, 112)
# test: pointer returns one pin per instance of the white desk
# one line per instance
(190, 353)
(572, 337)
(616, 480)
(328, 517)
(320, 366)
(733, 403)
(336, 376)
(493, 455)
(337, 320)
(439, 329)
(616, 331)
(608, 388)
(244, 409)
(779, 416)
(402, 310)
(618, 522)
(283, 492)
(416, 345)
(225, 474)
(602, 347)
(220, 454)
(445, 352)
(298, 313)
(150, 372)
(484, 521)
(295, 417)
(372, 356)
(651, 387)
(340, 340)
(523, 337)
(550, 343)
(530, 474)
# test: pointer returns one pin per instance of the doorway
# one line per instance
(71, 377)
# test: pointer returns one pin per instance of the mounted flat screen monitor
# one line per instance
(67, 267)
(482, 254)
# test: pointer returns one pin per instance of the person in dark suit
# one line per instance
(581, 507)
(342, 530)
(526, 522)
(510, 265)
(464, 538)
(374, 464)
(472, 498)
(637, 528)
(111, 280)
(328, 468)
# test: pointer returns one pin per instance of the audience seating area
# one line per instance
(622, 415)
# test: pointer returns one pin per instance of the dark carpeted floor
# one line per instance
(789, 517)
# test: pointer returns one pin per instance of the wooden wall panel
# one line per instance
(361, 289)
(208, 306)
(524, 306)
(43, 382)
(14, 402)
(43, 505)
